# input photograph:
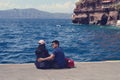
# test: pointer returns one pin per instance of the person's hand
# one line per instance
(40, 59)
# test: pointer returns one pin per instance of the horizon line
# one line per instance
(35, 9)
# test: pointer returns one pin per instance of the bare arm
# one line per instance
(51, 57)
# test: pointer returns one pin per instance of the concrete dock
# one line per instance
(83, 71)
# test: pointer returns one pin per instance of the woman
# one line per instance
(42, 52)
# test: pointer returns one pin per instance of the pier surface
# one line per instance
(83, 71)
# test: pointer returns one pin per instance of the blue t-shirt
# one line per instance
(59, 57)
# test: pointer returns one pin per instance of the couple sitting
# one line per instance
(55, 60)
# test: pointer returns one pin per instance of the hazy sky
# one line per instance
(64, 6)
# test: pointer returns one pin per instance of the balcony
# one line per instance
(78, 11)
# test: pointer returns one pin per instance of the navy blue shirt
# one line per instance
(59, 57)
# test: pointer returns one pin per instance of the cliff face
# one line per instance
(93, 12)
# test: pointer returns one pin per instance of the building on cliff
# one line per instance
(100, 12)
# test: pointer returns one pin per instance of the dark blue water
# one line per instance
(18, 40)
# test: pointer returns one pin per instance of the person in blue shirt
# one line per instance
(57, 57)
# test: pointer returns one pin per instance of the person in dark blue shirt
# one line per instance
(57, 57)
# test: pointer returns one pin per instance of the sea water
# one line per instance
(19, 40)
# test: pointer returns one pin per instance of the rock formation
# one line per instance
(100, 12)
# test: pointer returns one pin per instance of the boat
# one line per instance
(98, 12)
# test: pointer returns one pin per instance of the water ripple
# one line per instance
(18, 40)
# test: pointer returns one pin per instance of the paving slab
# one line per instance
(83, 71)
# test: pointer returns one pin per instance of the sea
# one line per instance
(82, 43)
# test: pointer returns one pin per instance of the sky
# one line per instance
(54, 6)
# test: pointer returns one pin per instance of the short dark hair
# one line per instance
(56, 42)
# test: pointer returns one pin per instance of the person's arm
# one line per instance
(51, 57)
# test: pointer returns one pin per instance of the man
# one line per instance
(57, 57)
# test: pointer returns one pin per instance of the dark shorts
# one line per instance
(56, 66)
(47, 65)
(43, 65)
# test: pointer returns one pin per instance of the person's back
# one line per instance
(41, 52)
(59, 58)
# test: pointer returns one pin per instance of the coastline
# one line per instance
(106, 70)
